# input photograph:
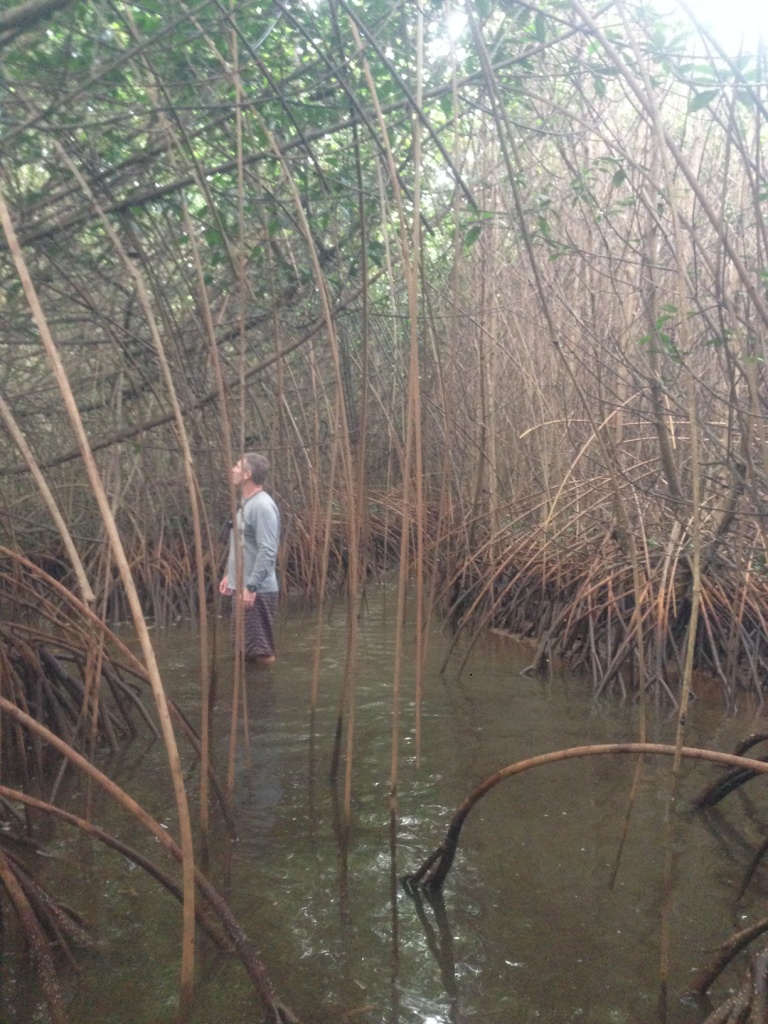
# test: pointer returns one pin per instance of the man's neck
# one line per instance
(249, 489)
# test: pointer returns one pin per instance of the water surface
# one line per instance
(530, 928)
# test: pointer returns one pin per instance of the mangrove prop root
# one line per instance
(33, 931)
(61, 925)
(279, 1013)
(64, 693)
(752, 867)
(122, 848)
(730, 780)
(721, 787)
(122, 692)
(725, 954)
(577, 599)
(195, 742)
(433, 872)
(750, 741)
(748, 1005)
(55, 917)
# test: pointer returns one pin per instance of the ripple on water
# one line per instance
(528, 920)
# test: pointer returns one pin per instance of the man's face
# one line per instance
(239, 474)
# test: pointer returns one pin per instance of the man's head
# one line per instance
(254, 467)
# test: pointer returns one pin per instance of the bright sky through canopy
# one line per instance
(736, 24)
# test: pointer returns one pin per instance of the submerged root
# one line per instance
(35, 921)
(69, 688)
(235, 934)
(431, 875)
(749, 1004)
(726, 954)
(731, 779)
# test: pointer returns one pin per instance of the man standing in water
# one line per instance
(258, 525)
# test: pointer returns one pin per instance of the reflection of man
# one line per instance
(258, 524)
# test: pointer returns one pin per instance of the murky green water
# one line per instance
(530, 928)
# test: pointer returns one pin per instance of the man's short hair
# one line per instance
(257, 465)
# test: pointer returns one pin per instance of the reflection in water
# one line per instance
(341, 832)
(393, 897)
(258, 787)
(439, 941)
(530, 928)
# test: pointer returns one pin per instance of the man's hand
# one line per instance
(223, 588)
(249, 598)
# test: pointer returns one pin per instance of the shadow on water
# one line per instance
(528, 928)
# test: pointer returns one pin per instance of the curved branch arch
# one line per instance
(434, 870)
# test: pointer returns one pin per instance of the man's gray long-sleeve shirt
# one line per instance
(258, 522)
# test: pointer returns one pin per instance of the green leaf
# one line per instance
(619, 177)
(599, 86)
(522, 16)
(540, 24)
(743, 61)
(472, 235)
(746, 99)
(376, 252)
(702, 99)
(668, 347)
